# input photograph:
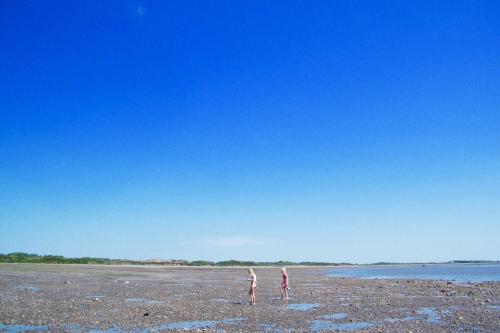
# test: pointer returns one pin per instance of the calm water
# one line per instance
(302, 306)
(337, 321)
(451, 272)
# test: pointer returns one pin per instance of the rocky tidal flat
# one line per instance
(92, 298)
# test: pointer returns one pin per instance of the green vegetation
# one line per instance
(232, 262)
(20, 257)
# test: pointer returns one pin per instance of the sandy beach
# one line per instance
(80, 298)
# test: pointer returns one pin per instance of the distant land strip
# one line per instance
(21, 257)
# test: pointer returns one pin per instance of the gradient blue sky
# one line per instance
(328, 130)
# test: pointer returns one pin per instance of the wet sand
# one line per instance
(81, 298)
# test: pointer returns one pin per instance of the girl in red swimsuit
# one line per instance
(284, 285)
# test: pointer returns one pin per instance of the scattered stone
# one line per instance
(183, 301)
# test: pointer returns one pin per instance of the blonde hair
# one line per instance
(250, 270)
(283, 269)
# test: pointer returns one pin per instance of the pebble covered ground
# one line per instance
(93, 298)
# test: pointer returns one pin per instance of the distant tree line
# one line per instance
(21, 257)
(228, 263)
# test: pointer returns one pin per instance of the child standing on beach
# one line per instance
(284, 285)
(253, 283)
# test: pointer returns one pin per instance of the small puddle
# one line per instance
(22, 328)
(133, 300)
(220, 300)
(176, 284)
(196, 324)
(431, 314)
(185, 325)
(494, 307)
(229, 321)
(471, 329)
(75, 328)
(30, 288)
(335, 316)
(182, 325)
(112, 329)
(142, 300)
(322, 325)
(302, 306)
(396, 320)
(328, 322)
(270, 328)
(450, 309)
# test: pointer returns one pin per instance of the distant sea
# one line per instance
(449, 272)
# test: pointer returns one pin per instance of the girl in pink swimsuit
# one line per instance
(284, 285)
(253, 283)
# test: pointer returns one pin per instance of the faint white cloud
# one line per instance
(140, 11)
(230, 241)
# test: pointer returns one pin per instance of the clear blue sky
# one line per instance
(328, 130)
